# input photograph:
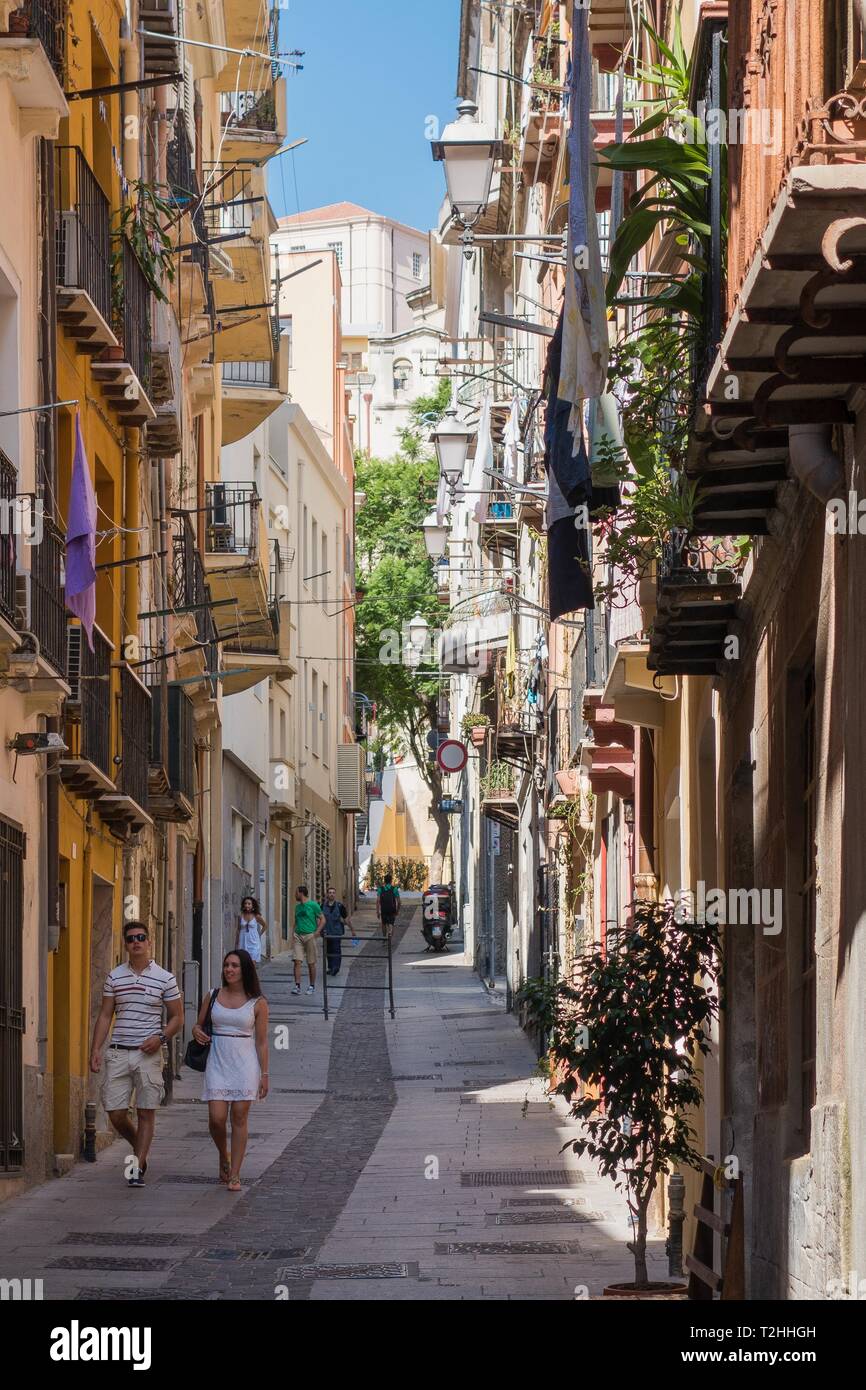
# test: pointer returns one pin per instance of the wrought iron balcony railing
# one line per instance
(251, 374)
(190, 590)
(249, 110)
(48, 619)
(132, 316)
(83, 229)
(232, 519)
(135, 724)
(94, 700)
(177, 752)
(47, 20)
(229, 204)
(180, 167)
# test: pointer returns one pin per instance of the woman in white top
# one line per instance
(251, 928)
(237, 1064)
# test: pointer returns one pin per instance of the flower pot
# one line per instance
(19, 23)
(112, 354)
(569, 781)
(652, 1290)
(478, 734)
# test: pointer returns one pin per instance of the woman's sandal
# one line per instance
(225, 1172)
(235, 1183)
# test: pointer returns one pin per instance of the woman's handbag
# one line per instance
(196, 1053)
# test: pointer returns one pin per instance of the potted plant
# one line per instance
(474, 727)
(626, 1037)
(497, 784)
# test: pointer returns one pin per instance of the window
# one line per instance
(416, 264)
(402, 377)
(306, 544)
(313, 572)
(356, 361)
(337, 248)
(242, 843)
(314, 715)
(326, 725)
(323, 592)
(283, 749)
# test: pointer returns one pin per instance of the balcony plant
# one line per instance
(475, 726)
(139, 220)
(626, 1038)
(497, 784)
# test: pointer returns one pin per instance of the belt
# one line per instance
(124, 1047)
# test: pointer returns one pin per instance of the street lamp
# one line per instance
(452, 442)
(469, 151)
(435, 536)
(417, 632)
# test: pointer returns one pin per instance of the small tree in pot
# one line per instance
(631, 1028)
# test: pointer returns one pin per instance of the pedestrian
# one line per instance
(237, 1064)
(309, 922)
(387, 904)
(337, 919)
(134, 996)
(251, 928)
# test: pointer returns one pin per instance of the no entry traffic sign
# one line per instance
(452, 756)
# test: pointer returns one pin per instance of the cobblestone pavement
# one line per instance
(413, 1158)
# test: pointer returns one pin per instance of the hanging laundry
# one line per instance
(586, 341)
(568, 465)
(512, 439)
(479, 480)
(81, 540)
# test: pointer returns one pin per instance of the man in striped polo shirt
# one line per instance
(135, 994)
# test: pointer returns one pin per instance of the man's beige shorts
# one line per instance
(304, 948)
(137, 1071)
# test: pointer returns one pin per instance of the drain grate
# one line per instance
(425, 1076)
(478, 1013)
(544, 1201)
(520, 1177)
(517, 1247)
(544, 1218)
(248, 1256)
(469, 1062)
(298, 1091)
(130, 1238)
(134, 1294)
(317, 1271)
(111, 1262)
(447, 1090)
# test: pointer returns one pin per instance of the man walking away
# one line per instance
(388, 904)
(135, 994)
(336, 920)
(309, 922)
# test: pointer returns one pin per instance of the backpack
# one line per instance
(388, 901)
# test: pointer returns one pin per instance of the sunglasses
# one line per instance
(139, 936)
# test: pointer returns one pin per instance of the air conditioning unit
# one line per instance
(69, 247)
(74, 636)
(350, 777)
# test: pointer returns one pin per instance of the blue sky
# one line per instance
(373, 72)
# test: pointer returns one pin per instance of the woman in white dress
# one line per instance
(237, 1064)
(251, 928)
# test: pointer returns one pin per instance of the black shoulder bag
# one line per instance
(196, 1053)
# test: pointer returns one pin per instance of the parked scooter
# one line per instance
(437, 922)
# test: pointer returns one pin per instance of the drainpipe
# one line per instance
(814, 462)
(860, 7)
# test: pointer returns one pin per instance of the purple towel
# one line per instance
(81, 540)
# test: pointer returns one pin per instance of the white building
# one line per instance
(392, 311)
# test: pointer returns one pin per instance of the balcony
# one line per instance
(499, 794)
(257, 652)
(607, 759)
(250, 24)
(517, 718)
(237, 570)
(698, 606)
(34, 61)
(252, 391)
(171, 778)
(83, 253)
(123, 809)
(498, 530)
(124, 372)
(237, 218)
(195, 640)
(32, 612)
(254, 123)
(161, 55)
(164, 433)
(88, 770)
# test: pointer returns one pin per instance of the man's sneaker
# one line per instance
(296, 989)
(311, 989)
(137, 1181)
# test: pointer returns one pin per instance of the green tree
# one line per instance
(396, 582)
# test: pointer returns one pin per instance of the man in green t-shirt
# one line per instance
(309, 924)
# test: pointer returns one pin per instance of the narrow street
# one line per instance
(337, 1203)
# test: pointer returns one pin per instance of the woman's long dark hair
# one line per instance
(248, 898)
(249, 974)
